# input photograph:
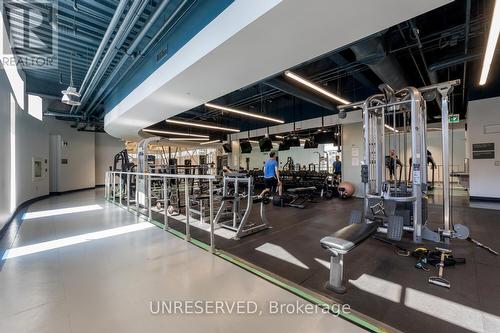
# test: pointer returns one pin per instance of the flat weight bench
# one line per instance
(303, 195)
(340, 243)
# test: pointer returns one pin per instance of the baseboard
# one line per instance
(76, 190)
(29, 202)
(19, 209)
(474, 198)
(9, 231)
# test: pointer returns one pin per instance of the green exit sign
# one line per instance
(453, 118)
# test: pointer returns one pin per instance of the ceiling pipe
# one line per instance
(432, 75)
(124, 30)
(113, 81)
(372, 53)
(114, 21)
(128, 54)
(456, 60)
(466, 47)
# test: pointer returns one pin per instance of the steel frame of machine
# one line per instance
(410, 105)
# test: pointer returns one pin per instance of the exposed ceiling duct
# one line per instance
(371, 52)
(287, 87)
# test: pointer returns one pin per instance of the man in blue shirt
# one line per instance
(337, 167)
(271, 173)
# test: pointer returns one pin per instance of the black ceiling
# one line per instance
(444, 44)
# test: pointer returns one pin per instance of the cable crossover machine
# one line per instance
(402, 205)
(395, 206)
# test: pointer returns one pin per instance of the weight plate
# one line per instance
(461, 231)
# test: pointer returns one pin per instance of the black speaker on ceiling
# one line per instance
(283, 146)
(265, 144)
(227, 148)
(292, 140)
(310, 144)
(246, 147)
(324, 137)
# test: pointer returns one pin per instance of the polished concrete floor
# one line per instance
(80, 264)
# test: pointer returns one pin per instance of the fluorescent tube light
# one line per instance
(491, 45)
(187, 123)
(248, 114)
(316, 87)
(188, 139)
(209, 142)
(391, 128)
(175, 133)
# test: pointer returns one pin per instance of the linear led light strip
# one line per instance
(391, 128)
(188, 139)
(209, 142)
(179, 122)
(492, 42)
(316, 87)
(175, 133)
(248, 114)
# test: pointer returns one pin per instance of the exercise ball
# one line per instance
(346, 190)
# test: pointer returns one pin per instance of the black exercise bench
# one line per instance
(340, 243)
(302, 196)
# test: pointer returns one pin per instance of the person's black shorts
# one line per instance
(271, 183)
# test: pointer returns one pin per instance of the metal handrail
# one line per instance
(110, 181)
(166, 175)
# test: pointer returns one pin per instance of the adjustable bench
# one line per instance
(340, 243)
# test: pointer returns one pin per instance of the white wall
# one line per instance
(78, 148)
(4, 149)
(106, 147)
(352, 145)
(484, 173)
(32, 141)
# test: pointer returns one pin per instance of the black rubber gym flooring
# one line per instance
(385, 286)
